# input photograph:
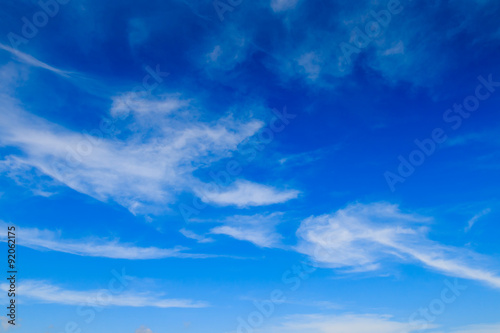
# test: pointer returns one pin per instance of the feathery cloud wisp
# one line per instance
(476, 217)
(140, 172)
(258, 229)
(51, 241)
(361, 237)
(45, 292)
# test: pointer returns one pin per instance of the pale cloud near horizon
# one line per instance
(361, 237)
(361, 323)
(348, 323)
(486, 328)
(46, 292)
(192, 235)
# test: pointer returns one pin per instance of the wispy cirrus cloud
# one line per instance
(192, 235)
(32, 61)
(404, 44)
(486, 136)
(363, 323)
(141, 158)
(45, 292)
(476, 217)
(46, 240)
(259, 229)
(162, 142)
(38, 183)
(362, 236)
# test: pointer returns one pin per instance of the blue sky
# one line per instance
(282, 166)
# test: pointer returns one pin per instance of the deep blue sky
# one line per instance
(283, 166)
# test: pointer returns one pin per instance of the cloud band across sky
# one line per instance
(361, 237)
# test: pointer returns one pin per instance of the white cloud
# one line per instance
(310, 64)
(25, 176)
(11, 76)
(143, 170)
(32, 61)
(134, 102)
(308, 157)
(495, 328)
(198, 238)
(361, 323)
(258, 229)
(282, 5)
(476, 217)
(95, 247)
(361, 237)
(399, 48)
(245, 194)
(483, 137)
(348, 323)
(143, 329)
(45, 292)
(215, 54)
(227, 53)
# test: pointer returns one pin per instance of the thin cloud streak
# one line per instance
(361, 237)
(352, 323)
(140, 174)
(45, 292)
(259, 229)
(476, 217)
(32, 61)
(46, 240)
